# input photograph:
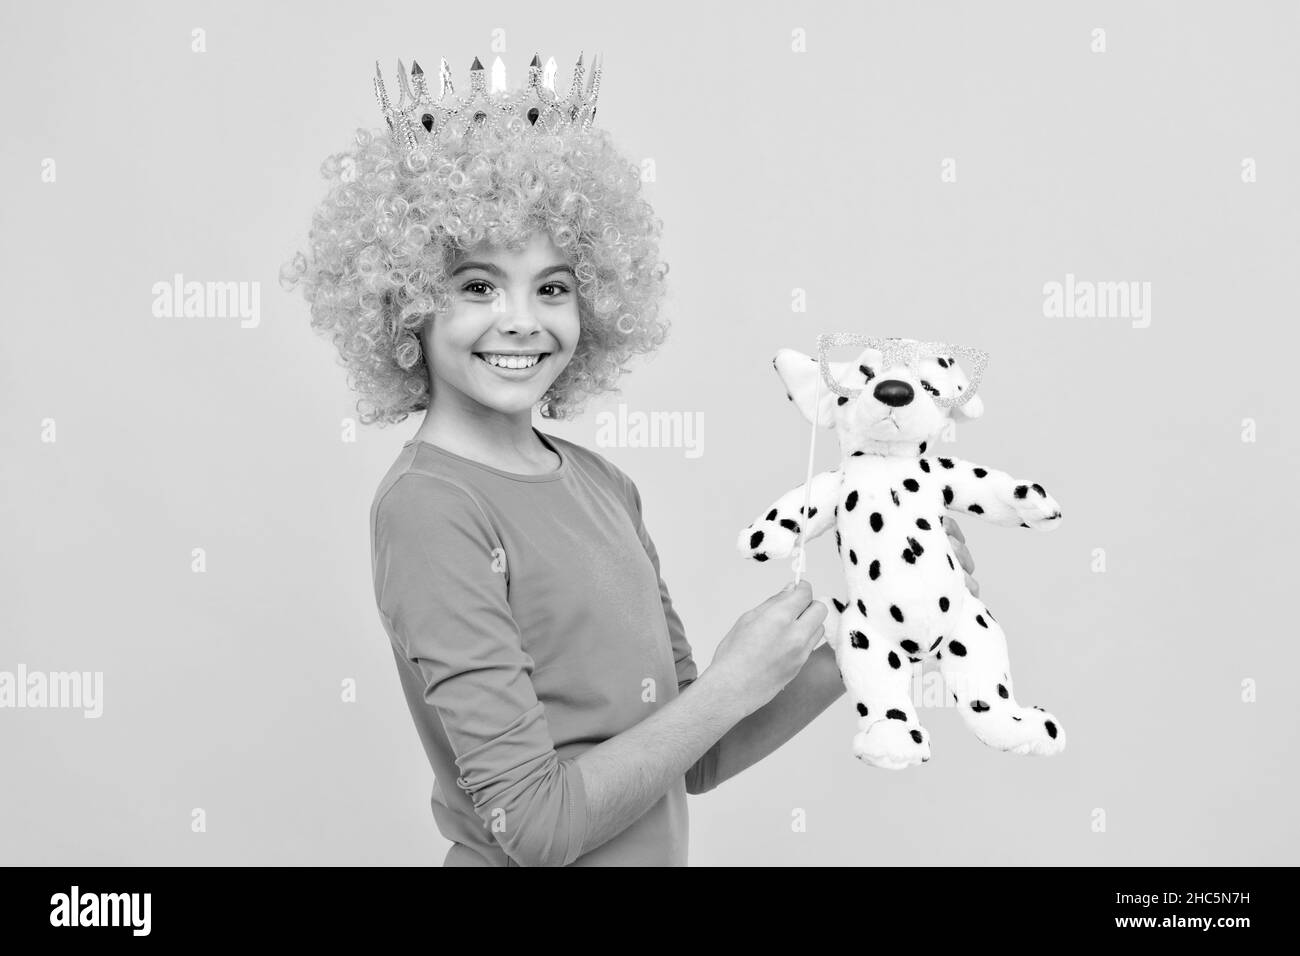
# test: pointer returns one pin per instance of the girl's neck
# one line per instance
(501, 440)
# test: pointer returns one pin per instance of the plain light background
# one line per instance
(775, 171)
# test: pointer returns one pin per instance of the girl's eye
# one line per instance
(477, 287)
(559, 287)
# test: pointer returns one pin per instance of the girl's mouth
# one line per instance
(512, 364)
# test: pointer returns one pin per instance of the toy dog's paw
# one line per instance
(1026, 730)
(892, 744)
(1037, 509)
(1046, 736)
(769, 538)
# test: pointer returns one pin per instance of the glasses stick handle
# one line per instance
(807, 485)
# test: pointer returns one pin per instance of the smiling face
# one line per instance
(894, 404)
(512, 327)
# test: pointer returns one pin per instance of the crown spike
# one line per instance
(379, 89)
(404, 88)
(476, 78)
(498, 76)
(535, 73)
(418, 81)
(575, 87)
(445, 85)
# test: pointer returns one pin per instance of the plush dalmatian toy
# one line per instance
(907, 596)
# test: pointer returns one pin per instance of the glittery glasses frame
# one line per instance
(903, 352)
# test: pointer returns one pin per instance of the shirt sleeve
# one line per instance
(440, 583)
(702, 775)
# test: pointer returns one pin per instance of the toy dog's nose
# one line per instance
(894, 393)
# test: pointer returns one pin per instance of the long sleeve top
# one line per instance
(529, 621)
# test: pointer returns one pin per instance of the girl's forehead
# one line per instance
(535, 246)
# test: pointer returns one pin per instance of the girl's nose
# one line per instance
(516, 318)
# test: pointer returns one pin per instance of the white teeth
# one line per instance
(511, 361)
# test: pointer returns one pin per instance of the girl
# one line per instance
(475, 273)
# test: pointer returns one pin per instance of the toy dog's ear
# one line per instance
(972, 410)
(802, 376)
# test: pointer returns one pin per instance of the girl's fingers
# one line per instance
(972, 585)
(953, 531)
(964, 557)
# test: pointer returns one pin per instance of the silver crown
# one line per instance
(420, 118)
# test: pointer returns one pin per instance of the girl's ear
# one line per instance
(802, 376)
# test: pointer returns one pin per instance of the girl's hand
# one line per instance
(768, 646)
(958, 542)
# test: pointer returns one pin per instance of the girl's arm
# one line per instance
(817, 686)
(625, 775)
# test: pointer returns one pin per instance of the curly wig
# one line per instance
(385, 237)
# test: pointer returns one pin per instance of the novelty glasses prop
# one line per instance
(897, 352)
